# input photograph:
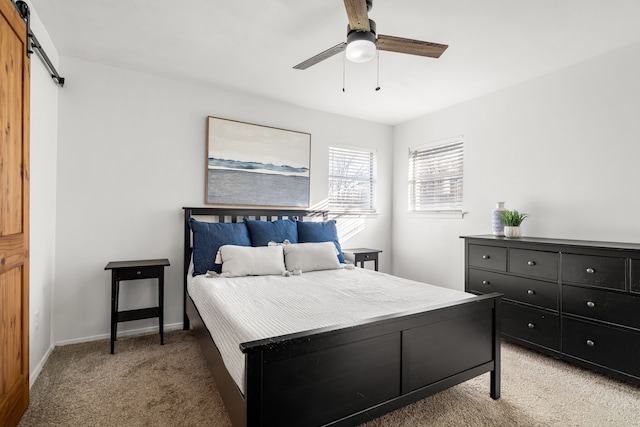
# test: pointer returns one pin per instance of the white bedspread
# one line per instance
(241, 309)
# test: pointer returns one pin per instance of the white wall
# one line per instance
(131, 154)
(563, 148)
(44, 137)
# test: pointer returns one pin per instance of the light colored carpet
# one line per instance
(145, 384)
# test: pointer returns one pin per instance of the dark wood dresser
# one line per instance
(576, 300)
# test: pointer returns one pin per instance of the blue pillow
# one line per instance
(315, 232)
(263, 232)
(207, 239)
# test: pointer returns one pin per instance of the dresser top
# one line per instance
(563, 242)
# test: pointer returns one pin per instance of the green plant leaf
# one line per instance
(513, 218)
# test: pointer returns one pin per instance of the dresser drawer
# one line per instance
(542, 294)
(489, 257)
(606, 346)
(605, 272)
(530, 324)
(623, 309)
(137, 273)
(539, 264)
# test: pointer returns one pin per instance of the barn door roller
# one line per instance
(33, 43)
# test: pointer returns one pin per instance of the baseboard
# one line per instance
(33, 376)
(132, 332)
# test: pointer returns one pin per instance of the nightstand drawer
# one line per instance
(530, 291)
(598, 304)
(530, 324)
(605, 272)
(606, 346)
(489, 257)
(538, 264)
(137, 273)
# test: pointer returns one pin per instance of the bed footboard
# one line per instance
(356, 373)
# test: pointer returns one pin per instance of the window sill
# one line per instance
(351, 214)
(439, 214)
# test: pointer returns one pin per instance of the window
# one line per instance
(352, 180)
(435, 176)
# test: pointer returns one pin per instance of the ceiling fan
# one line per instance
(362, 43)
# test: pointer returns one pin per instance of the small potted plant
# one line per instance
(512, 221)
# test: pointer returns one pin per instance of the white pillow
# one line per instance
(311, 256)
(250, 261)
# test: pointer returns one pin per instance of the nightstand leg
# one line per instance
(113, 309)
(115, 320)
(161, 304)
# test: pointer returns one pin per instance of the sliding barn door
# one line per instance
(14, 216)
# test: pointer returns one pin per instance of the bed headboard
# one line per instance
(231, 214)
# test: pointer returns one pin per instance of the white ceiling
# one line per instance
(252, 45)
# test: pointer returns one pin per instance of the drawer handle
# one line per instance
(590, 343)
(486, 282)
(531, 325)
(138, 272)
(590, 270)
(485, 257)
(531, 292)
(531, 263)
(591, 304)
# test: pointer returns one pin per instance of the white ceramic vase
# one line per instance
(497, 224)
(512, 232)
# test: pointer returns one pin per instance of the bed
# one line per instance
(348, 373)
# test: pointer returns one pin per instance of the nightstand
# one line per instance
(360, 255)
(136, 270)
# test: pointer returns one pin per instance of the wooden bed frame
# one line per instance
(349, 374)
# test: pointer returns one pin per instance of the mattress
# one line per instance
(242, 309)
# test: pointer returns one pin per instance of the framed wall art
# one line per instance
(254, 165)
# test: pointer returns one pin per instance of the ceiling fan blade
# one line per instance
(321, 56)
(357, 14)
(410, 46)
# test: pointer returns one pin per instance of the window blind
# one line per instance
(351, 180)
(435, 177)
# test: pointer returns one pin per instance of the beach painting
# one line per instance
(253, 165)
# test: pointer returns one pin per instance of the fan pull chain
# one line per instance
(378, 76)
(344, 66)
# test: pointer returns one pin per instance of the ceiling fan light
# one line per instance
(361, 45)
(361, 51)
